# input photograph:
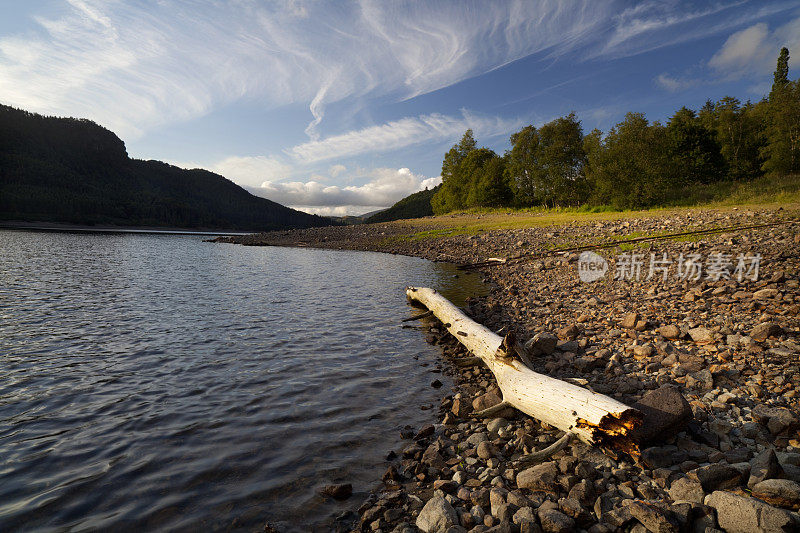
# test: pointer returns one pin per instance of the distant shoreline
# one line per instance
(57, 226)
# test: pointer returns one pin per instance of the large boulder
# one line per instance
(716, 476)
(777, 419)
(779, 492)
(739, 514)
(539, 477)
(765, 330)
(765, 466)
(541, 344)
(655, 519)
(437, 516)
(687, 490)
(556, 522)
(670, 331)
(665, 411)
(701, 335)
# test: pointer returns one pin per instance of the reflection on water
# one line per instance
(155, 381)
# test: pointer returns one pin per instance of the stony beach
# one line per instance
(707, 351)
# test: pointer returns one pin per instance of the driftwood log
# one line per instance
(591, 417)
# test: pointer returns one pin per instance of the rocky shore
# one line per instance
(712, 362)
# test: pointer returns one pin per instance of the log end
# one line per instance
(616, 431)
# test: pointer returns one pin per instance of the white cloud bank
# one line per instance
(753, 52)
(385, 187)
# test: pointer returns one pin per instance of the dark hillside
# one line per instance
(74, 171)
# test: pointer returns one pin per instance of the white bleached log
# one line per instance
(593, 418)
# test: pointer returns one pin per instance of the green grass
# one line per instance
(762, 192)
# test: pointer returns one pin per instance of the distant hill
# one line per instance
(413, 206)
(73, 171)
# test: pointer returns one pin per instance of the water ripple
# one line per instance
(157, 382)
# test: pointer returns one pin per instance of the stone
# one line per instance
(497, 497)
(687, 490)
(339, 491)
(424, 432)
(524, 514)
(445, 485)
(661, 456)
(432, 457)
(553, 521)
(460, 408)
(765, 294)
(604, 504)
(779, 492)
(777, 419)
(643, 351)
(495, 425)
(575, 510)
(666, 412)
(569, 333)
(476, 438)
(485, 450)
(505, 512)
(669, 332)
(539, 477)
(765, 466)
(630, 320)
(653, 518)
(437, 516)
(761, 332)
(541, 344)
(484, 401)
(392, 474)
(739, 514)
(701, 335)
(716, 476)
(584, 492)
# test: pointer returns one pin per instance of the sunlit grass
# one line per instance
(766, 192)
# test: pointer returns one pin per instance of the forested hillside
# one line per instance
(412, 206)
(636, 163)
(74, 171)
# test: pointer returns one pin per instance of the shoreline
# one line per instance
(83, 228)
(717, 359)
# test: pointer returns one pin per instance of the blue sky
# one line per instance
(345, 107)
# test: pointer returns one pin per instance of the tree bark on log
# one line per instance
(593, 418)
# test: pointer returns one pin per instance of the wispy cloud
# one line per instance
(384, 187)
(136, 65)
(400, 134)
(655, 24)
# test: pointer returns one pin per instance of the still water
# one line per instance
(159, 382)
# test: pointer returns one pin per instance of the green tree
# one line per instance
(782, 150)
(632, 168)
(558, 163)
(455, 184)
(520, 163)
(489, 185)
(739, 131)
(781, 77)
(694, 148)
(593, 147)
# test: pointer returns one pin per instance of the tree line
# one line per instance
(637, 163)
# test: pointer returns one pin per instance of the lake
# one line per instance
(160, 382)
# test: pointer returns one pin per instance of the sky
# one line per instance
(338, 107)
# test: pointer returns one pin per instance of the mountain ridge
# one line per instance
(73, 171)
